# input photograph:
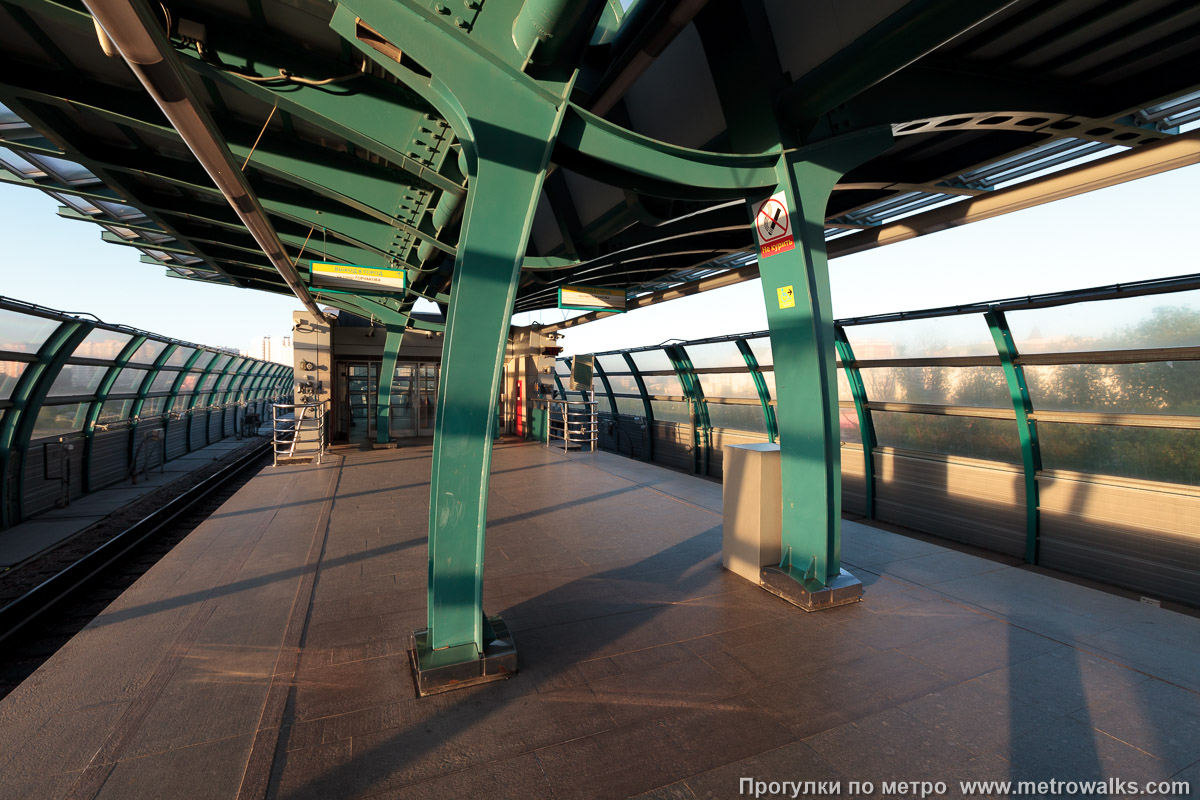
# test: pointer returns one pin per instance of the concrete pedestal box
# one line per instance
(752, 506)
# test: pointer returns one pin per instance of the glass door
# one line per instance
(426, 397)
(362, 383)
(403, 417)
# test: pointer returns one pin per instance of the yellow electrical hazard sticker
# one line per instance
(787, 297)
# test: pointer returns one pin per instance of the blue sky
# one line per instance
(1138, 230)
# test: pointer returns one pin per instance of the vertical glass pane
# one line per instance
(966, 335)
(850, 431)
(623, 384)
(129, 381)
(148, 352)
(761, 348)
(742, 418)
(1127, 323)
(1164, 387)
(10, 373)
(163, 381)
(989, 439)
(114, 411)
(152, 407)
(652, 360)
(77, 379)
(715, 354)
(612, 364)
(179, 357)
(633, 408)
(102, 344)
(982, 387)
(22, 333)
(1155, 454)
(663, 385)
(204, 359)
(670, 411)
(59, 420)
(728, 384)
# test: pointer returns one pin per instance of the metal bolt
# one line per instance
(441, 8)
(473, 4)
(459, 22)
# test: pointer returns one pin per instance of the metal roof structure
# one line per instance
(494, 151)
(351, 161)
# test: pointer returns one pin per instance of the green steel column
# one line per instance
(16, 426)
(1031, 454)
(760, 384)
(387, 371)
(646, 406)
(612, 401)
(866, 426)
(89, 425)
(702, 430)
(795, 284)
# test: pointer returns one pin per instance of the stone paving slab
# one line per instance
(266, 657)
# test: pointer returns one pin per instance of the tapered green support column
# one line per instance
(387, 371)
(790, 225)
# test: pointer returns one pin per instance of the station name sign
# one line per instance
(591, 298)
(354, 278)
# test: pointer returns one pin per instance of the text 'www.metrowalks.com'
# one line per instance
(1111, 787)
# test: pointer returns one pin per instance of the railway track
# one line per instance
(35, 624)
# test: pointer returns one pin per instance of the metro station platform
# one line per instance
(265, 657)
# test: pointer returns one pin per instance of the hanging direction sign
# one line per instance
(591, 298)
(353, 278)
(773, 226)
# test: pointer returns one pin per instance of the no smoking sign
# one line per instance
(773, 225)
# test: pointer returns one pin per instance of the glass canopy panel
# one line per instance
(149, 352)
(19, 164)
(114, 411)
(189, 383)
(179, 357)
(153, 406)
(715, 354)
(80, 204)
(761, 348)
(630, 406)
(1155, 454)
(670, 411)
(1128, 323)
(981, 387)
(163, 381)
(222, 360)
(742, 418)
(129, 381)
(23, 333)
(652, 361)
(728, 384)
(77, 380)
(10, 373)
(69, 171)
(60, 420)
(612, 364)
(966, 335)
(1164, 387)
(102, 343)
(971, 437)
(208, 381)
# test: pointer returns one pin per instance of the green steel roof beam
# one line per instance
(917, 28)
(102, 391)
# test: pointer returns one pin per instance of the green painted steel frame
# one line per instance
(760, 385)
(16, 426)
(135, 411)
(701, 427)
(169, 405)
(102, 391)
(866, 425)
(209, 369)
(646, 405)
(1031, 454)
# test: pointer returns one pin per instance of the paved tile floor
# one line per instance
(265, 657)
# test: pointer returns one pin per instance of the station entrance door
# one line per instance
(414, 399)
(359, 392)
